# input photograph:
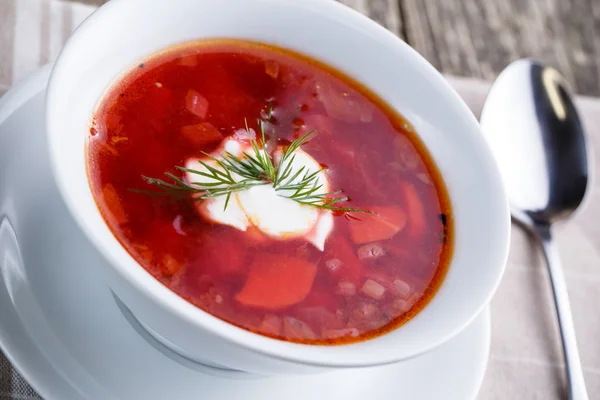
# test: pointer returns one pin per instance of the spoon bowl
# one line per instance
(538, 140)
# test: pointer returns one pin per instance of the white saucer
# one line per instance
(63, 330)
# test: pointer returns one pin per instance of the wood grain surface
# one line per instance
(478, 38)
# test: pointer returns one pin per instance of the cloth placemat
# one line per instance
(526, 358)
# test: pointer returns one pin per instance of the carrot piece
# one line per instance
(196, 104)
(113, 203)
(201, 134)
(416, 212)
(276, 282)
(385, 223)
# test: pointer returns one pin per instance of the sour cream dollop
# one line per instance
(263, 207)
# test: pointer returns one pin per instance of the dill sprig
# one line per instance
(230, 174)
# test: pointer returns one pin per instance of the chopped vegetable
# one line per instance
(397, 308)
(277, 282)
(417, 224)
(373, 289)
(401, 288)
(201, 134)
(196, 104)
(346, 288)
(384, 224)
(271, 325)
(295, 329)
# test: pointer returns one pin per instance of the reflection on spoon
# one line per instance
(537, 137)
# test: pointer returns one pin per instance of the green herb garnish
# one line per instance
(257, 168)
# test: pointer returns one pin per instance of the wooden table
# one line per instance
(478, 38)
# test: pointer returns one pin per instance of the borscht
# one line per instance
(271, 191)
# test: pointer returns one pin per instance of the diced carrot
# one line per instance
(272, 69)
(201, 134)
(384, 224)
(276, 282)
(416, 212)
(196, 104)
(113, 203)
(350, 268)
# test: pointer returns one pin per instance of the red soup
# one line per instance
(271, 191)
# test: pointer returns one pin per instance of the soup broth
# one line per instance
(266, 262)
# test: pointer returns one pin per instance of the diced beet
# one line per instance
(196, 104)
(201, 134)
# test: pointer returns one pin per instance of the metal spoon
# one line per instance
(539, 143)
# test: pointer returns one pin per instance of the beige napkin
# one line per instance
(526, 358)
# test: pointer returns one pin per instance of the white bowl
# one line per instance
(124, 31)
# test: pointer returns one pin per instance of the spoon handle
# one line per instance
(576, 381)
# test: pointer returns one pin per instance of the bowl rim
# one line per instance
(153, 290)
